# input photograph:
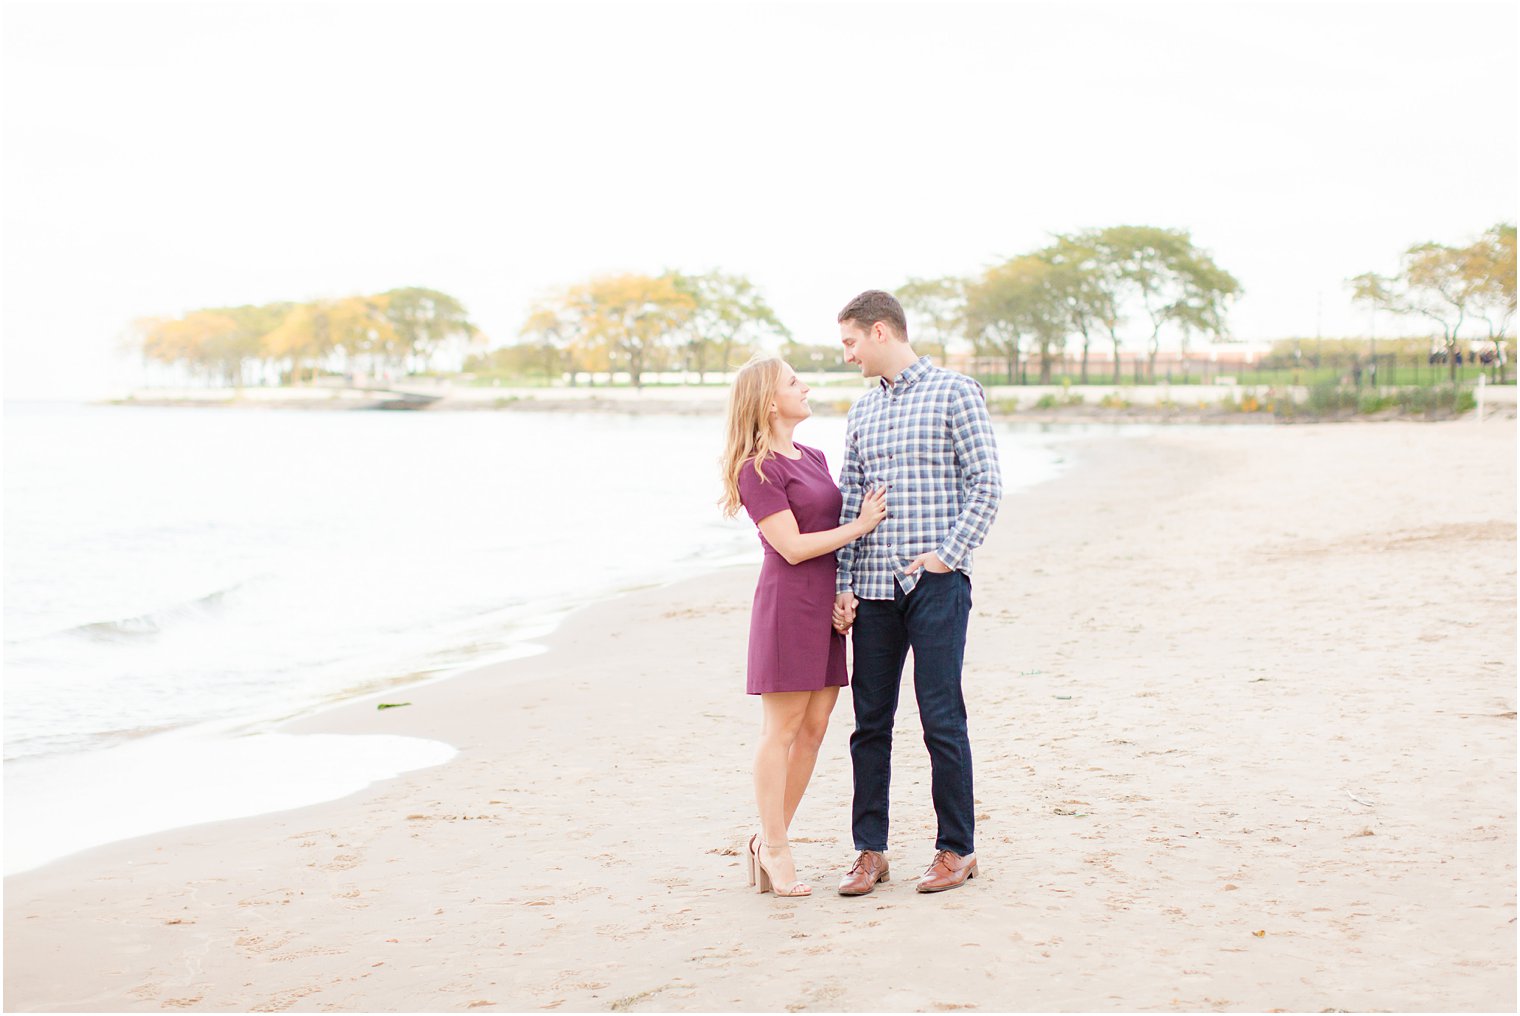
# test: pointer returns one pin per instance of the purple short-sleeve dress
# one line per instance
(792, 642)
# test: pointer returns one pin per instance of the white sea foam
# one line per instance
(63, 804)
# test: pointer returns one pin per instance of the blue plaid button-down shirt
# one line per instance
(925, 436)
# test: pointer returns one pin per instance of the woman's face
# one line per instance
(791, 396)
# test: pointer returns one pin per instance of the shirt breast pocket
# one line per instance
(878, 468)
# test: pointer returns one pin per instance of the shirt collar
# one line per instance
(909, 374)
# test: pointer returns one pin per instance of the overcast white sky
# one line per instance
(162, 157)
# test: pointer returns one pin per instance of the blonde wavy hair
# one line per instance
(749, 427)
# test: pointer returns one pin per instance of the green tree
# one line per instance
(1439, 283)
(1102, 286)
(1011, 303)
(1173, 281)
(936, 310)
(1372, 289)
(423, 320)
(1491, 265)
(1079, 287)
(1200, 305)
(726, 312)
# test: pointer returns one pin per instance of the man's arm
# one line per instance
(976, 459)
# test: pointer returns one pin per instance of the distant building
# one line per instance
(1212, 358)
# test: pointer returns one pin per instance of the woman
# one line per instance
(796, 657)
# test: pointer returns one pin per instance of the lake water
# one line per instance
(179, 580)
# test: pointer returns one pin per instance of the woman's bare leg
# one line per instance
(804, 754)
(783, 714)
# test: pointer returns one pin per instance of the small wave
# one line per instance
(41, 745)
(142, 625)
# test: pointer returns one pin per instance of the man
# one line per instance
(923, 434)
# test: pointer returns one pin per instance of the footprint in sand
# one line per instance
(315, 950)
(283, 1000)
(265, 899)
(257, 944)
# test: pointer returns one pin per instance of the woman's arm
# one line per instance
(780, 530)
(851, 488)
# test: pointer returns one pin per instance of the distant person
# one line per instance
(796, 657)
(923, 433)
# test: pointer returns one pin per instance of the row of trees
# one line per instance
(1101, 285)
(400, 331)
(1451, 287)
(637, 323)
(1115, 285)
(1084, 286)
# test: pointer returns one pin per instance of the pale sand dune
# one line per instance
(1243, 707)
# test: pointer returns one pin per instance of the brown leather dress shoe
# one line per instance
(948, 870)
(869, 868)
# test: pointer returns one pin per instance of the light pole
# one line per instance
(1372, 342)
(1319, 344)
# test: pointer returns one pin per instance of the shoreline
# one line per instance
(1227, 405)
(579, 851)
(226, 741)
(231, 746)
(240, 749)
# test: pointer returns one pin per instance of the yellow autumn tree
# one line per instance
(630, 319)
(204, 341)
(553, 334)
(304, 337)
(360, 326)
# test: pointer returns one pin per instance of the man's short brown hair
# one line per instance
(876, 305)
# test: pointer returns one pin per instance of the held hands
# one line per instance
(929, 562)
(845, 603)
(873, 508)
(844, 612)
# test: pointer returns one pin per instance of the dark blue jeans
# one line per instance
(932, 621)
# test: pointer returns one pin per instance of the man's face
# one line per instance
(861, 347)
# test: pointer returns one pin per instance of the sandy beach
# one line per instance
(1243, 708)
